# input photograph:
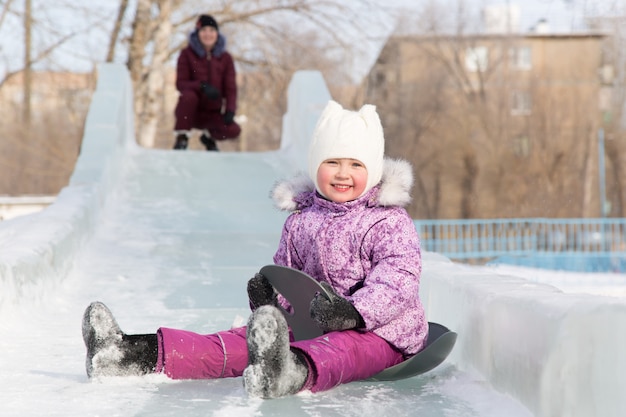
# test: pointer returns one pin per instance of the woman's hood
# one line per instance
(196, 45)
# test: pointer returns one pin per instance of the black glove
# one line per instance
(334, 313)
(229, 117)
(211, 92)
(261, 292)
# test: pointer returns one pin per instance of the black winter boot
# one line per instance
(110, 352)
(181, 141)
(209, 143)
(273, 369)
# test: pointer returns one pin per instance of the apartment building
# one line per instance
(50, 90)
(478, 114)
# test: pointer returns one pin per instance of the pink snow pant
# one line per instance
(334, 358)
(192, 111)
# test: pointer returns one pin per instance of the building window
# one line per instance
(476, 59)
(521, 146)
(520, 58)
(520, 103)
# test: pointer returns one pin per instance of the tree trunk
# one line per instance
(467, 186)
(116, 30)
(616, 158)
(137, 53)
(589, 179)
(28, 20)
(151, 88)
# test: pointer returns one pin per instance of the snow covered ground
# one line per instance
(170, 238)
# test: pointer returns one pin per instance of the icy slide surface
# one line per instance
(169, 238)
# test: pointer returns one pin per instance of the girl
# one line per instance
(349, 230)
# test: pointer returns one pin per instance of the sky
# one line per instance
(89, 25)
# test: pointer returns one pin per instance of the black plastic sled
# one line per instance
(299, 289)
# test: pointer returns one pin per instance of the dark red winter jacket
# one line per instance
(217, 68)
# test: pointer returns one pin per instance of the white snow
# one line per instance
(170, 238)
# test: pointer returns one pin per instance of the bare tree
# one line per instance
(27, 62)
(265, 43)
(38, 149)
(35, 51)
(488, 136)
(151, 86)
(117, 28)
(269, 40)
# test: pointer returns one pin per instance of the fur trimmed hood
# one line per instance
(196, 45)
(393, 190)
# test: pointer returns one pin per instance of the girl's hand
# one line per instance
(334, 313)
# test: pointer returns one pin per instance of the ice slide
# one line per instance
(169, 239)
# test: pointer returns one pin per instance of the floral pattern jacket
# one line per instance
(367, 249)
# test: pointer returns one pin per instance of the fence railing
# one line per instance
(484, 239)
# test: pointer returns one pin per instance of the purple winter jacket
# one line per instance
(367, 249)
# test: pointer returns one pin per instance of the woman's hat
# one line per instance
(206, 20)
(348, 134)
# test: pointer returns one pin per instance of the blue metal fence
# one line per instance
(572, 244)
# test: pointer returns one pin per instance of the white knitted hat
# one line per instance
(348, 134)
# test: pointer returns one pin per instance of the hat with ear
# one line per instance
(341, 133)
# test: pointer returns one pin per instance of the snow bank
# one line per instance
(559, 354)
(11, 207)
(37, 250)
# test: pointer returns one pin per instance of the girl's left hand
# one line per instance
(335, 312)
